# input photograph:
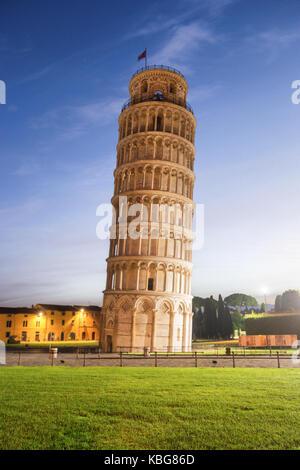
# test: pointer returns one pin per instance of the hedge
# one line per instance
(278, 324)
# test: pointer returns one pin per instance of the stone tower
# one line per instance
(147, 301)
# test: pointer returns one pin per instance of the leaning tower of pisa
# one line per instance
(147, 301)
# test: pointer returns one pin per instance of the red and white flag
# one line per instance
(143, 55)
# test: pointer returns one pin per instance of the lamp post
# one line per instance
(265, 291)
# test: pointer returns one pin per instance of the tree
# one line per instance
(229, 326)
(290, 301)
(199, 330)
(202, 323)
(263, 308)
(210, 318)
(278, 303)
(221, 318)
(242, 301)
(199, 302)
(238, 322)
(207, 323)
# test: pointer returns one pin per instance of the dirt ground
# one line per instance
(113, 360)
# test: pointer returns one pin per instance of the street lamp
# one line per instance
(265, 291)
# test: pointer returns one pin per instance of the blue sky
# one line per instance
(67, 66)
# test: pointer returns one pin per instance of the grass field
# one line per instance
(204, 342)
(248, 351)
(113, 408)
(53, 344)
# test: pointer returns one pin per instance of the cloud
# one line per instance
(189, 8)
(202, 93)
(37, 75)
(6, 47)
(20, 293)
(183, 42)
(12, 108)
(215, 7)
(73, 121)
(28, 167)
(273, 42)
(161, 23)
(88, 173)
(12, 214)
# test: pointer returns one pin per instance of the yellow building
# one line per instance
(50, 323)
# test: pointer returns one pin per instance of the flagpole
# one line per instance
(146, 58)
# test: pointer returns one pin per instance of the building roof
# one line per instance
(60, 308)
(70, 308)
(89, 308)
(52, 307)
(10, 310)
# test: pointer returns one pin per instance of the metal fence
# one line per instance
(150, 67)
(94, 356)
(158, 99)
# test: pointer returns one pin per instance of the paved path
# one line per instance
(113, 360)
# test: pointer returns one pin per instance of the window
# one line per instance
(72, 322)
(52, 322)
(150, 283)
(25, 316)
(94, 323)
(7, 334)
(73, 313)
(63, 322)
(158, 96)
(9, 315)
(72, 336)
(24, 336)
(25, 323)
(52, 313)
(159, 123)
(93, 335)
(83, 335)
(8, 324)
(63, 313)
(62, 336)
(37, 336)
(38, 324)
(178, 334)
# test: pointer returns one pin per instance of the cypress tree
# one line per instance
(278, 303)
(214, 319)
(221, 318)
(263, 308)
(228, 323)
(197, 324)
(207, 318)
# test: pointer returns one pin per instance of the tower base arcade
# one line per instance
(133, 322)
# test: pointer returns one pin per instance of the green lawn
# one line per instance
(149, 408)
(247, 351)
(54, 344)
(204, 342)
